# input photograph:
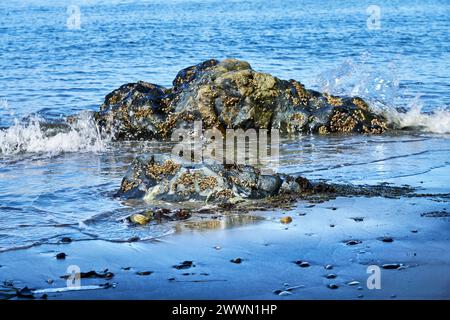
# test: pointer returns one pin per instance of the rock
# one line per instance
(144, 273)
(302, 264)
(25, 293)
(391, 266)
(93, 274)
(61, 256)
(237, 260)
(139, 219)
(286, 220)
(333, 286)
(387, 239)
(284, 293)
(159, 215)
(230, 94)
(66, 240)
(352, 242)
(168, 178)
(331, 276)
(184, 265)
(353, 283)
(329, 267)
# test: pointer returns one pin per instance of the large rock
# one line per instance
(160, 177)
(230, 94)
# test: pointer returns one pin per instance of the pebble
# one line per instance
(285, 293)
(331, 276)
(217, 247)
(358, 219)
(353, 283)
(61, 256)
(353, 242)
(66, 240)
(184, 265)
(333, 286)
(286, 220)
(391, 266)
(329, 267)
(332, 225)
(126, 268)
(49, 281)
(302, 264)
(144, 273)
(139, 219)
(237, 260)
(387, 239)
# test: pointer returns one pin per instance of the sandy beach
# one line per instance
(319, 235)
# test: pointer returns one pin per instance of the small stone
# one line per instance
(286, 220)
(353, 283)
(358, 219)
(391, 266)
(184, 265)
(333, 286)
(387, 239)
(360, 296)
(332, 225)
(302, 264)
(329, 267)
(126, 268)
(144, 273)
(237, 260)
(66, 240)
(331, 276)
(217, 247)
(171, 279)
(49, 281)
(61, 256)
(353, 242)
(139, 219)
(285, 293)
(414, 231)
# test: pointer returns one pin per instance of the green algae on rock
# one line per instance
(230, 95)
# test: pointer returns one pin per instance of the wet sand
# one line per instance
(319, 235)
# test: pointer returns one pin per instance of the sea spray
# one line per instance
(35, 135)
(380, 88)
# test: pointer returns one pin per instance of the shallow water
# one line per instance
(54, 184)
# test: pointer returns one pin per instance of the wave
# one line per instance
(381, 89)
(413, 118)
(35, 135)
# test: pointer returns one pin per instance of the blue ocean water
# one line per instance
(56, 185)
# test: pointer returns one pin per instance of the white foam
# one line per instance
(81, 136)
(437, 121)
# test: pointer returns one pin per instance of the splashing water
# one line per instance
(38, 136)
(380, 89)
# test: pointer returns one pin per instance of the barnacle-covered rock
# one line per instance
(231, 95)
(160, 177)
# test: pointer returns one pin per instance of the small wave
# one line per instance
(437, 121)
(38, 136)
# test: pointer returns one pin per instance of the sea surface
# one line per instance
(55, 184)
